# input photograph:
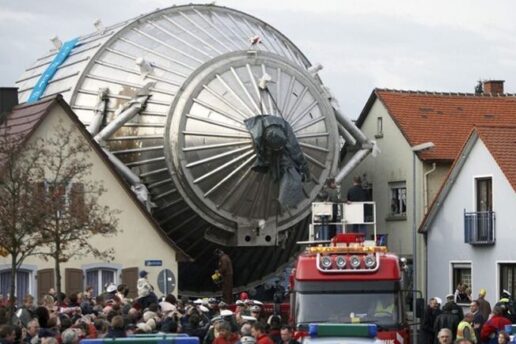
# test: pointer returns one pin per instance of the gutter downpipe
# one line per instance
(425, 185)
(425, 200)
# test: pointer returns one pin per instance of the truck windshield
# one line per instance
(381, 308)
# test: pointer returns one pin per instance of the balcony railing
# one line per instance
(479, 228)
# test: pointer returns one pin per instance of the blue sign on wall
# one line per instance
(153, 262)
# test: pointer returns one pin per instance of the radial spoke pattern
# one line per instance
(212, 143)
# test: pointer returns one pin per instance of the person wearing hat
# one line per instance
(484, 306)
(427, 326)
(447, 319)
(455, 308)
(226, 270)
(507, 305)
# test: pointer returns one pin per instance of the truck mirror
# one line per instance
(420, 307)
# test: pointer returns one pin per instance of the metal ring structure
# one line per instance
(188, 145)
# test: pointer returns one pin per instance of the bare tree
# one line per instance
(21, 212)
(74, 213)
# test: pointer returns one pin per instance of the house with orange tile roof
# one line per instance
(400, 120)
(470, 229)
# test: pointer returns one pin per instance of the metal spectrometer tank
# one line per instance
(167, 94)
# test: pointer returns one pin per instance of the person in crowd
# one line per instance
(70, 336)
(427, 325)
(455, 308)
(26, 312)
(101, 328)
(286, 336)
(256, 312)
(117, 329)
(478, 319)
(507, 305)
(503, 337)
(445, 336)
(463, 341)
(247, 340)
(32, 331)
(274, 323)
(224, 334)
(225, 268)
(495, 324)
(259, 333)
(121, 292)
(484, 306)
(7, 334)
(146, 295)
(465, 329)
(447, 319)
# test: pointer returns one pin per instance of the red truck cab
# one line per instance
(349, 281)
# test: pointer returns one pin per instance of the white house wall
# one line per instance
(393, 164)
(446, 234)
(138, 240)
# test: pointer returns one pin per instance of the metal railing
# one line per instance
(479, 227)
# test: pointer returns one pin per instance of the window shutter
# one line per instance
(38, 194)
(73, 280)
(45, 281)
(77, 201)
(130, 278)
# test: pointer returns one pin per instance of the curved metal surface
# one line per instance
(189, 145)
(209, 149)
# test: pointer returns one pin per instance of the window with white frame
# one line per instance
(398, 195)
(22, 284)
(507, 278)
(98, 278)
(461, 282)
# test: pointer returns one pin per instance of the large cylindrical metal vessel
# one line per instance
(203, 67)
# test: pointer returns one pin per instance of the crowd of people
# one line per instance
(446, 324)
(66, 319)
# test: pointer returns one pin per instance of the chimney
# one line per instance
(493, 87)
(8, 100)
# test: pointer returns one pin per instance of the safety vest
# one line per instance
(460, 331)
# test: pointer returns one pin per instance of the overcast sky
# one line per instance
(429, 45)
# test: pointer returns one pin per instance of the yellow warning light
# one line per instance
(346, 249)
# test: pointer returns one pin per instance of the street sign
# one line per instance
(153, 262)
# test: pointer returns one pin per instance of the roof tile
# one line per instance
(501, 143)
(446, 119)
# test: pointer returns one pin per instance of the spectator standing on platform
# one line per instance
(333, 196)
(357, 194)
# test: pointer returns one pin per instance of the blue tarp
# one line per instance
(51, 70)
